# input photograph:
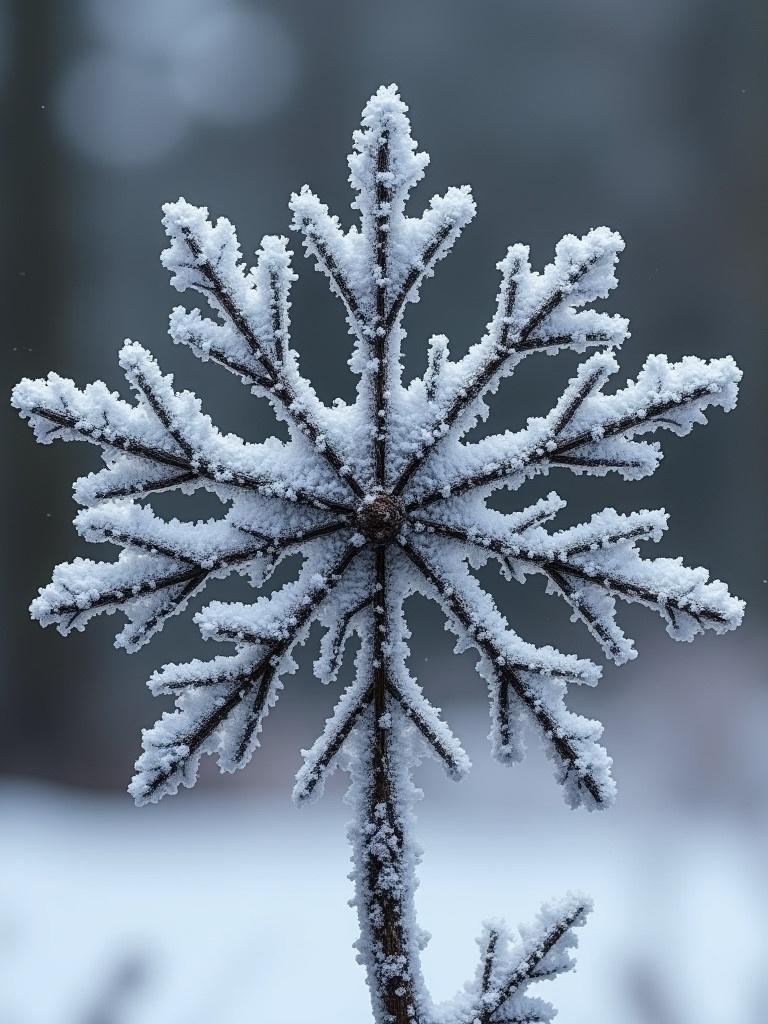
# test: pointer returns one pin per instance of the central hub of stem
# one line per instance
(379, 517)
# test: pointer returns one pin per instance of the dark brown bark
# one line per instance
(380, 330)
(387, 924)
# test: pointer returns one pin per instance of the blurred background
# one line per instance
(225, 904)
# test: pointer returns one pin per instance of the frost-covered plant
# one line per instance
(384, 499)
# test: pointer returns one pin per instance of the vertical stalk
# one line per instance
(383, 846)
(381, 255)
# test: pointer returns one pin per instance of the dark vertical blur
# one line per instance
(38, 701)
(646, 117)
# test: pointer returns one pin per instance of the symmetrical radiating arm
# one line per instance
(403, 692)
(588, 431)
(254, 339)
(592, 564)
(525, 683)
(162, 565)
(221, 703)
(377, 269)
(534, 312)
(163, 442)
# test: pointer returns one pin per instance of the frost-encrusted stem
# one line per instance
(510, 678)
(336, 276)
(279, 385)
(508, 344)
(380, 328)
(384, 869)
(191, 467)
(525, 971)
(559, 567)
(427, 259)
(568, 451)
(489, 959)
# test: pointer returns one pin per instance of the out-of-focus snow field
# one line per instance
(229, 907)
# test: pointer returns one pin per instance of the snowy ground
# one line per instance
(231, 908)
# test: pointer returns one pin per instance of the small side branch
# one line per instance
(338, 280)
(416, 274)
(419, 712)
(526, 972)
(489, 961)
(320, 759)
(336, 640)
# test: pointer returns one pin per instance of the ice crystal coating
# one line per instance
(383, 498)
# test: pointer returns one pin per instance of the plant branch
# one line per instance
(562, 452)
(258, 676)
(191, 469)
(279, 386)
(336, 275)
(414, 276)
(525, 972)
(380, 329)
(558, 569)
(488, 962)
(508, 344)
(194, 575)
(387, 889)
(322, 755)
(409, 708)
(507, 675)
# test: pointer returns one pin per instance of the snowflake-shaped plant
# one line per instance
(383, 499)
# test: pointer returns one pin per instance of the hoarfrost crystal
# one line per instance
(384, 498)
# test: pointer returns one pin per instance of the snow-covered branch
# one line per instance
(221, 703)
(320, 760)
(589, 432)
(384, 167)
(507, 968)
(378, 269)
(162, 565)
(383, 793)
(163, 442)
(592, 563)
(522, 680)
(534, 312)
(206, 258)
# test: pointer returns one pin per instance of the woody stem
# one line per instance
(381, 837)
